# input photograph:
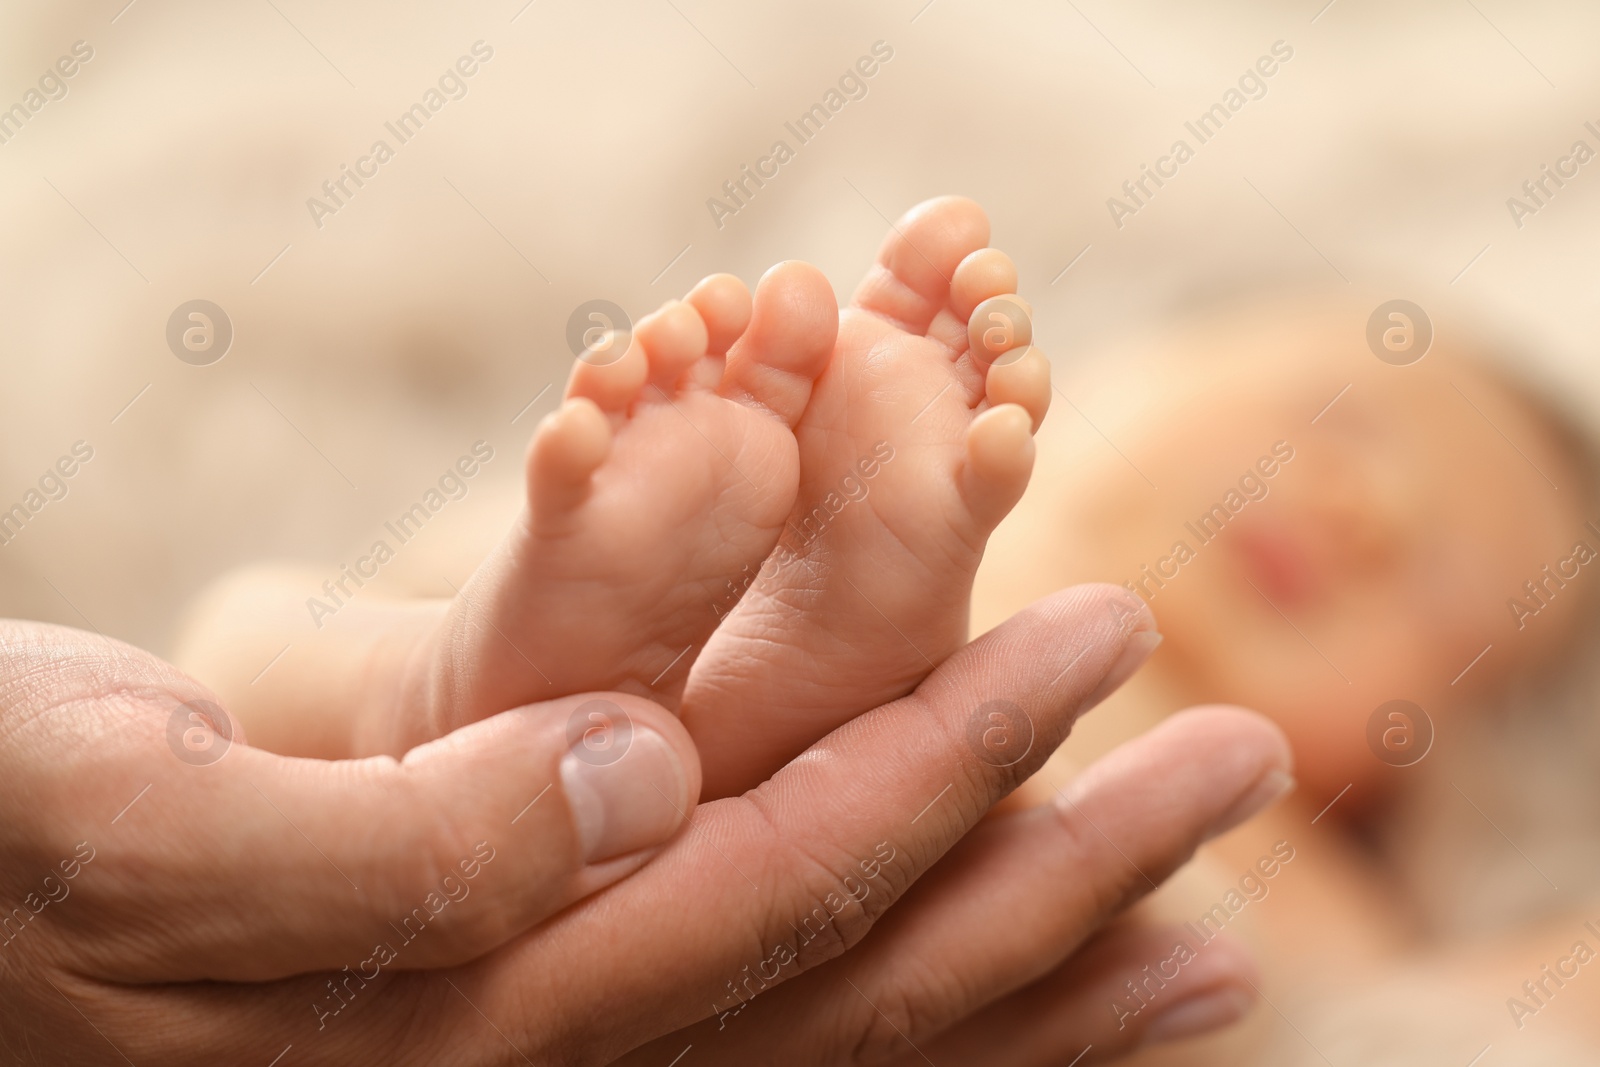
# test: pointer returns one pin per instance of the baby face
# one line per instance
(1332, 532)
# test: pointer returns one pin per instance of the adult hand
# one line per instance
(775, 892)
(147, 857)
(985, 962)
(763, 893)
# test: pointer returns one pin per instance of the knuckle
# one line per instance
(436, 849)
(825, 906)
(1114, 880)
(889, 1025)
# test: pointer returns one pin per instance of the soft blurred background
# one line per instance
(431, 310)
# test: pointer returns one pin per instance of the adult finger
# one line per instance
(1134, 985)
(795, 872)
(1020, 894)
(228, 862)
(1057, 873)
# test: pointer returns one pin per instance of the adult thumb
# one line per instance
(435, 858)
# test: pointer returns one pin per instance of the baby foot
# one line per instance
(662, 476)
(916, 443)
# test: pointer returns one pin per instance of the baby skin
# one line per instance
(664, 471)
(916, 443)
(647, 557)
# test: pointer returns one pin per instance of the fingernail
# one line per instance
(1273, 784)
(1198, 1015)
(628, 804)
(1134, 653)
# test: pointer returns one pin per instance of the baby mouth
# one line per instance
(1279, 565)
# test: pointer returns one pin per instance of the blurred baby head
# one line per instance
(1332, 532)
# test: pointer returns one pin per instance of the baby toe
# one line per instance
(724, 303)
(674, 338)
(986, 273)
(1000, 453)
(610, 372)
(1000, 327)
(1024, 381)
(570, 445)
(910, 283)
(793, 324)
